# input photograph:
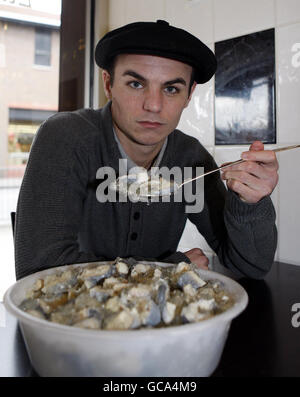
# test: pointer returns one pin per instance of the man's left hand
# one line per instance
(197, 256)
(255, 178)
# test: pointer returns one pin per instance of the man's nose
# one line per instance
(153, 100)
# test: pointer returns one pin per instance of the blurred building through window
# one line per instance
(29, 74)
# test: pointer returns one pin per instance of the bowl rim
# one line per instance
(28, 319)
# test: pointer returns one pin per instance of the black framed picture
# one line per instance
(245, 89)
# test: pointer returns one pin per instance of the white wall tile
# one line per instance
(288, 83)
(289, 209)
(191, 238)
(197, 119)
(224, 154)
(2, 315)
(137, 10)
(239, 17)
(287, 11)
(116, 13)
(194, 16)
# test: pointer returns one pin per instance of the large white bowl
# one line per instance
(185, 350)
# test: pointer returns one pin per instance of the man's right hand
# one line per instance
(197, 256)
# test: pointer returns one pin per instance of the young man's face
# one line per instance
(148, 96)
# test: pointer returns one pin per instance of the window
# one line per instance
(42, 55)
(22, 127)
(29, 35)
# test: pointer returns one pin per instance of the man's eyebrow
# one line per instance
(176, 81)
(132, 73)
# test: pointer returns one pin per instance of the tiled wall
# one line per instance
(216, 20)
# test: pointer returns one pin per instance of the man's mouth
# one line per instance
(150, 124)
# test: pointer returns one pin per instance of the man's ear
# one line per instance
(106, 83)
(191, 93)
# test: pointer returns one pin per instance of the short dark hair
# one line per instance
(110, 68)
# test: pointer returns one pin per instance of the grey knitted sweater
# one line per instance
(60, 221)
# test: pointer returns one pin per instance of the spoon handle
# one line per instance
(212, 171)
(281, 149)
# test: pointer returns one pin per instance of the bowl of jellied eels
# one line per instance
(125, 318)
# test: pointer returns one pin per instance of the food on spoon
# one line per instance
(126, 294)
(142, 185)
(142, 177)
(156, 186)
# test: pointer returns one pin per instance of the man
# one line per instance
(150, 71)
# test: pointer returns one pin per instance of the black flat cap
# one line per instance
(160, 39)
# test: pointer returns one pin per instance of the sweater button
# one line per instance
(133, 236)
(136, 216)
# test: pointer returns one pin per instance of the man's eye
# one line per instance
(171, 90)
(135, 84)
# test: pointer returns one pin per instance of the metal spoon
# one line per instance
(173, 187)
